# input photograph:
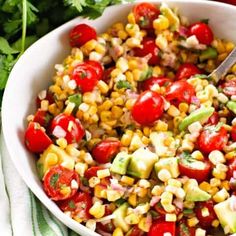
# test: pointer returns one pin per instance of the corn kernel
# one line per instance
(157, 190)
(142, 192)
(69, 108)
(205, 212)
(113, 195)
(101, 49)
(164, 175)
(103, 173)
(215, 223)
(44, 105)
(118, 232)
(132, 200)
(225, 184)
(132, 219)
(80, 168)
(93, 181)
(144, 183)
(200, 232)
(161, 126)
(197, 155)
(192, 221)
(216, 157)
(51, 159)
(131, 18)
(143, 225)
(133, 42)
(127, 180)
(221, 195)
(61, 142)
(100, 191)
(103, 87)
(136, 143)
(97, 210)
(173, 111)
(170, 217)
(174, 183)
(161, 23)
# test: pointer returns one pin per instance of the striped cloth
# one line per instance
(21, 212)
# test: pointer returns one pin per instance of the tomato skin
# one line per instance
(148, 108)
(205, 221)
(92, 171)
(184, 230)
(104, 151)
(85, 76)
(161, 227)
(214, 119)
(186, 70)
(202, 32)
(135, 231)
(199, 174)
(180, 91)
(81, 34)
(55, 178)
(36, 139)
(78, 205)
(148, 48)
(107, 74)
(97, 67)
(233, 133)
(75, 134)
(231, 168)
(42, 117)
(145, 14)
(229, 87)
(210, 140)
(161, 81)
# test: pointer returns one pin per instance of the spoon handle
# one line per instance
(224, 67)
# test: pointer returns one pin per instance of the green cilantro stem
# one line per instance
(24, 25)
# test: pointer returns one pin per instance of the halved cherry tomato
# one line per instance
(233, 133)
(81, 34)
(193, 168)
(68, 127)
(150, 48)
(86, 77)
(92, 171)
(107, 74)
(59, 178)
(214, 119)
(148, 108)
(161, 227)
(161, 81)
(145, 14)
(229, 87)
(104, 151)
(97, 67)
(212, 138)
(205, 221)
(49, 97)
(42, 117)
(36, 139)
(184, 230)
(202, 32)
(187, 70)
(180, 91)
(78, 205)
(231, 168)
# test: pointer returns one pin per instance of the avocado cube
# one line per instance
(62, 157)
(226, 215)
(120, 214)
(141, 163)
(195, 194)
(120, 163)
(170, 164)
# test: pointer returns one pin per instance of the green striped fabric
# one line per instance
(21, 212)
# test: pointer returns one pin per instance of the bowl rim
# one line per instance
(30, 184)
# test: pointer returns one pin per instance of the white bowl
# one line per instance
(34, 70)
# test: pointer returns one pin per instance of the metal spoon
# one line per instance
(224, 67)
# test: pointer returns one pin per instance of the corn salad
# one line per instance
(132, 137)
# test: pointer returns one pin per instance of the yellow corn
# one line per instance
(161, 126)
(69, 108)
(133, 42)
(44, 105)
(219, 174)
(51, 159)
(215, 182)
(132, 29)
(118, 232)
(233, 68)
(101, 49)
(143, 225)
(103, 87)
(142, 192)
(161, 23)
(225, 184)
(230, 155)
(131, 18)
(192, 221)
(197, 155)
(93, 181)
(97, 210)
(113, 195)
(174, 183)
(132, 200)
(65, 191)
(103, 173)
(183, 107)
(213, 190)
(215, 223)
(157, 190)
(80, 168)
(221, 195)
(164, 175)
(157, 71)
(132, 219)
(170, 217)
(100, 192)
(189, 205)
(127, 180)
(61, 142)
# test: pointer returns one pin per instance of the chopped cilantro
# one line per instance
(123, 84)
(54, 180)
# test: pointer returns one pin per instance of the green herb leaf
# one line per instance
(76, 99)
(5, 48)
(54, 180)
(123, 84)
(71, 204)
(200, 76)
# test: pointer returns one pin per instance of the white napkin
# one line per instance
(21, 212)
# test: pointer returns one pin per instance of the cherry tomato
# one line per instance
(36, 139)
(205, 221)
(86, 77)
(233, 2)
(104, 151)
(42, 117)
(161, 81)
(57, 179)
(97, 67)
(68, 127)
(145, 14)
(184, 230)
(214, 119)
(135, 231)
(187, 70)
(149, 48)
(78, 205)
(194, 169)
(49, 97)
(92, 171)
(231, 168)
(211, 139)
(107, 74)
(229, 88)
(180, 91)
(161, 227)
(233, 133)
(148, 108)
(202, 32)
(81, 34)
